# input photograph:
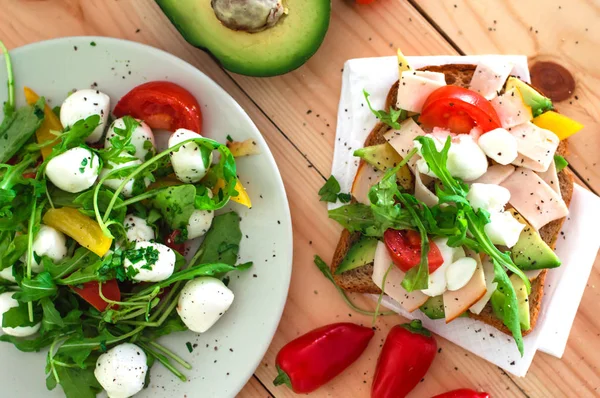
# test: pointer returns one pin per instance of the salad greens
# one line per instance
(330, 192)
(53, 296)
(391, 118)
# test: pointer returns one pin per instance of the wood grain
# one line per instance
(302, 144)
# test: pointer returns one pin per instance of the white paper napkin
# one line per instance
(577, 248)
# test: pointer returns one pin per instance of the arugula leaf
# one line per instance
(171, 325)
(29, 345)
(344, 197)
(511, 313)
(120, 142)
(371, 220)
(37, 288)
(12, 247)
(476, 222)
(51, 318)
(77, 382)
(81, 258)
(330, 190)
(9, 106)
(391, 118)
(78, 348)
(417, 278)
(73, 137)
(85, 203)
(19, 316)
(222, 241)
(176, 204)
(560, 162)
(20, 129)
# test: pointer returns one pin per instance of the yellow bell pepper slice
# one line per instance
(80, 227)
(51, 122)
(402, 64)
(242, 197)
(560, 125)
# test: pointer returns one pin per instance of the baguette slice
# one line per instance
(359, 280)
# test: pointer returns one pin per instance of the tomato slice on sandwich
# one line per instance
(404, 248)
(459, 110)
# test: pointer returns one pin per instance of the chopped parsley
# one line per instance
(148, 254)
(84, 163)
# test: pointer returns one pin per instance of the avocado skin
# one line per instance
(434, 308)
(497, 301)
(361, 253)
(531, 252)
(198, 25)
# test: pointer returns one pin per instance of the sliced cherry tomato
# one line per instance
(459, 110)
(175, 242)
(405, 249)
(89, 292)
(28, 175)
(162, 105)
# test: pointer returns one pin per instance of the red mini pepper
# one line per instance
(312, 360)
(407, 354)
(463, 393)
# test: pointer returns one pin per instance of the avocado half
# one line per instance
(273, 51)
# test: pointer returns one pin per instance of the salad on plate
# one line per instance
(107, 240)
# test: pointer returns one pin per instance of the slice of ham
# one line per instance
(393, 282)
(550, 176)
(403, 140)
(495, 174)
(413, 89)
(490, 286)
(535, 200)
(511, 109)
(366, 177)
(489, 77)
(422, 192)
(535, 143)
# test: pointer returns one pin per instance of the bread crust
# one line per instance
(359, 280)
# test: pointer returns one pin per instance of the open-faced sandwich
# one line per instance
(459, 197)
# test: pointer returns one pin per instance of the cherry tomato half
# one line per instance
(162, 105)
(174, 241)
(89, 292)
(459, 110)
(405, 249)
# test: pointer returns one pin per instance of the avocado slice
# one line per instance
(531, 252)
(277, 49)
(361, 253)
(538, 103)
(498, 298)
(434, 307)
(384, 157)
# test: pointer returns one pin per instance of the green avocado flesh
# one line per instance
(434, 307)
(497, 301)
(531, 252)
(273, 51)
(538, 103)
(361, 253)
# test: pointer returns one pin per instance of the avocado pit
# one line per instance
(248, 15)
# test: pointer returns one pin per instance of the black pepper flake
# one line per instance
(512, 363)
(189, 346)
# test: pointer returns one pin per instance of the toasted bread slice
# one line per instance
(359, 279)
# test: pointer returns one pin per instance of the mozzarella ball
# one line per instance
(187, 161)
(500, 145)
(6, 303)
(115, 183)
(74, 170)
(157, 263)
(121, 371)
(503, 229)
(48, 242)
(82, 104)
(200, 221)
(7, 275)
(466, 160)
(141, 138)
(460, 272)
(437, 279)
(138, 229)
(490, 197)
(202, 302)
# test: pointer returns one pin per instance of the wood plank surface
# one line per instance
(302, 144)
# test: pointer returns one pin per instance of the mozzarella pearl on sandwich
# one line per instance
(503, 229)
(138, 229)
(6, 303)
(7, 275)
(460, 272)
(187, 160)
(437, 279)
(121, 371)
(115, 183)
(82, 104)
(200, 221)
(161, 269)
(202, 302)
(466, 160)
(490, 197)
(141, 135)
(48, 242)
(500, 145)
(74, 170)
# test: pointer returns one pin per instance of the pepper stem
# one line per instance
(282, 378)
(415, 326)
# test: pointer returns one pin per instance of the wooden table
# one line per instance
(563, 31)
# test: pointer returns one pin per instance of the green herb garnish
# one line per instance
(391, 118)
(560, 163)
